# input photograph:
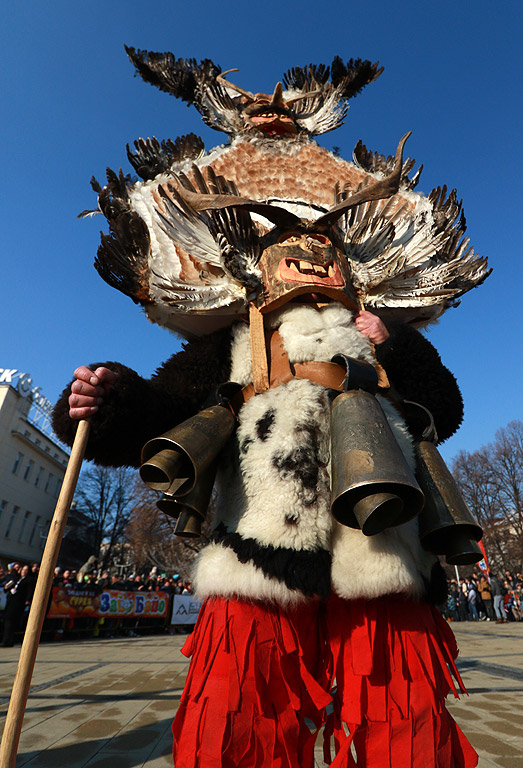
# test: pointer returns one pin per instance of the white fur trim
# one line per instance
(218, 572)
(392, 562)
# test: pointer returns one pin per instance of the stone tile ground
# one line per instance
(110, 703)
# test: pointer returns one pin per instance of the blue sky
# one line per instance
(452, 75)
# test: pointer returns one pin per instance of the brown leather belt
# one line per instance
(330, 375)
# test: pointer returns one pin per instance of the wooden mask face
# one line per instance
(301, 265)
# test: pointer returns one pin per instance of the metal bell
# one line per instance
(189, 524)
(372, 485)
(174, 461)
(447, 526)
(463, 551)
(168, 505)
(191, 509)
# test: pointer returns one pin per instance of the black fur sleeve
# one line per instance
(415, 369)
(136, 409)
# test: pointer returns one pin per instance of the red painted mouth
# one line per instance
(299, 271)
(272, 123)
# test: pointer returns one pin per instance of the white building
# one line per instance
(32, 467)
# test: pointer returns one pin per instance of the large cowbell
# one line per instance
(372, 485)
(190, 510)
(175, 461)
(447, 526)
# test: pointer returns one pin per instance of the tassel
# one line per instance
(255, 682)
(394, 662)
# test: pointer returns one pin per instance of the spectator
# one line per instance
(116, 583)
(57, 579)
(104, 581)
(497, 597)
(508, 601)
(19, 593)
(472, 597)
(485, 592)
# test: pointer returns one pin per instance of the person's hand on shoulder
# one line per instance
(88, 390)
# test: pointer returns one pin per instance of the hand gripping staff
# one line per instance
(24, 673)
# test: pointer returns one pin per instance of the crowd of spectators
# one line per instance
(100, 580)
(17, 585)
(475, 598)
(478, 598)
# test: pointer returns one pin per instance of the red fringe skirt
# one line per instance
(256, 689)
(392, 661)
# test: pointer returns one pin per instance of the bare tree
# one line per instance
(105, 496)
(491, 480)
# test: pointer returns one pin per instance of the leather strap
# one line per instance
(329, 375)
(260, 370)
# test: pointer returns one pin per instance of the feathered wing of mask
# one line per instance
(191, 239)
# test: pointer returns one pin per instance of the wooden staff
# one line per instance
(24, 673)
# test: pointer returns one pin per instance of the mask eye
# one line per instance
(317, 238)
(292, 238)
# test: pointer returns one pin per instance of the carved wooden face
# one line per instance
(307, 265)
(262, 114)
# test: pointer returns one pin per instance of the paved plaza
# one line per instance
(110, 703)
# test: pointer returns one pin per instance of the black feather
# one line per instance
(152, 158)
(122, 258)
(180, 77)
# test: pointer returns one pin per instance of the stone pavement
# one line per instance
(110, 703)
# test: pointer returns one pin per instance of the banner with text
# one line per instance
(185, 609)
(76, 603)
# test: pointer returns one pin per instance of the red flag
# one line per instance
(483, 565)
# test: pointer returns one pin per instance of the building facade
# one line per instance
(32, 468)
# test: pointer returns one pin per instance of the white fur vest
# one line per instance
(281, 542)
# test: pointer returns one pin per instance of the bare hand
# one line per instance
(88, 390)
(370, 325)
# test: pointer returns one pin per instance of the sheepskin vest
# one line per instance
(279, 541)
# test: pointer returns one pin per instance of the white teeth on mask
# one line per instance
(319, 269)
(305, 266)
(331, 270)
(292, 265)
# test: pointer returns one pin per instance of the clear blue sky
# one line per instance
(453, 76)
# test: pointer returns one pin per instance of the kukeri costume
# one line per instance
(295, 602)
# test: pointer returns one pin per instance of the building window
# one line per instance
(11, 521)
(16, 465)
(39, 476)
(24, 522)
(57, 487)
(35, 526)
(48, 481)
(3, 506)
(28, 469)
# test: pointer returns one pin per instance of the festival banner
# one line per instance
(185, 609)
(83, 603)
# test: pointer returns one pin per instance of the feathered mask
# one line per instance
(272, 216)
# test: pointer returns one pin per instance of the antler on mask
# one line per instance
(286, 221)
